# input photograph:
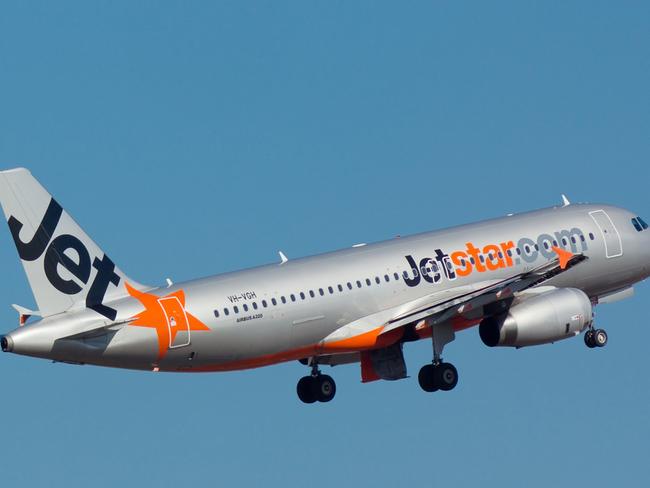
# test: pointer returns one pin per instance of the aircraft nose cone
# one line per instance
(6, 343)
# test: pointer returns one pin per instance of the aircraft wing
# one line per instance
(382, 329)
(485, 294)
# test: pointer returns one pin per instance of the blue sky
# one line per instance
(193, 138)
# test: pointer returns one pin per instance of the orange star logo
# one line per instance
(167, 315)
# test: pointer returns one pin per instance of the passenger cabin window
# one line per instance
(226, 311)
(216, 313)
(264, 303)
(340, 287)
(274, 301)
(302, 296)
(321, 292)
(368, 281)
(245, 307)
(331, 290)
(311, 293)
(236, 309)
(255, 305)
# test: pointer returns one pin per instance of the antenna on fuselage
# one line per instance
(565, 201)
(283, 258)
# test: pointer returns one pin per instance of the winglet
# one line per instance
(283, 257)
(565, 201)
(563, 255)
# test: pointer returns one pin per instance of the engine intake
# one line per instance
(542, 319)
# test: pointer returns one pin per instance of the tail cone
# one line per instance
(6, 343)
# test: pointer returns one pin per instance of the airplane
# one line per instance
(524, 279)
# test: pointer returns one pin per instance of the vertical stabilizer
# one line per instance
(65, 268)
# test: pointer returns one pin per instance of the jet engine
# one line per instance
(542, 319)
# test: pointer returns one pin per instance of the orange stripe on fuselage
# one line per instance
(363, 340)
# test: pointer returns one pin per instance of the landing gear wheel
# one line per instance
(319, 388)
(306, 390)
(600, 338)
(446, 376)
(434, 377)
(426, 378)
(324, 388)
(589, 339)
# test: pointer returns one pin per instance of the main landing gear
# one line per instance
(316, 387)
(595, 338)
(439, 375)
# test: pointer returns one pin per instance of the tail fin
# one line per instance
(65, 268)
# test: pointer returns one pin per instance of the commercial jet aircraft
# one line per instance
(527, 279)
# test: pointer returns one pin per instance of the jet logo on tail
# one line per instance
(55, 255)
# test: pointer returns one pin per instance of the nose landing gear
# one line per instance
(316, 387)
(595, 338)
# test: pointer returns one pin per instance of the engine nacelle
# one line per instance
(542, 319)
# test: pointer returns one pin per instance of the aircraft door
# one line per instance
(178, 324)
(613, 243)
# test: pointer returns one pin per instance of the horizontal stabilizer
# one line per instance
(26, 311)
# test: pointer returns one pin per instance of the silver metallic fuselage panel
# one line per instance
(270, 330)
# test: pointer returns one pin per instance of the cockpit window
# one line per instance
(642, 222)
(637, 225)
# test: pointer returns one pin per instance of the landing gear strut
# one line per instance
(595, 338)
(316, 387)
(439, 375)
